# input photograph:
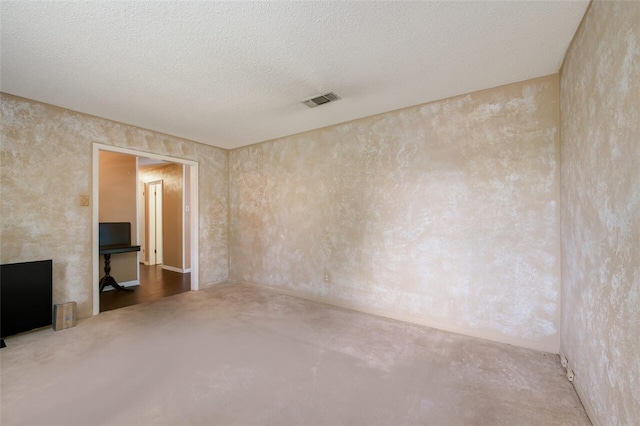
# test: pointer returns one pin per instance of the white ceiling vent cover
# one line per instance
(321, 99)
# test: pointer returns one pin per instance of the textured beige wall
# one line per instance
(171, 176)
(444, 214)
(600, 110)
(117, 194)
(46, 164)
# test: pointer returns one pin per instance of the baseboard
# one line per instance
(588, 407)
(586, 403)
(217, 283)
(414, 320)
(174, 269)
(124, 284)
(211, 285)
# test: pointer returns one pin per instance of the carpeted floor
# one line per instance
(241, 355)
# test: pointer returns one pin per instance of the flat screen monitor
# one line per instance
(25, 296)
(114, 234)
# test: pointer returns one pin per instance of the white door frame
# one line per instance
(97, 147)
(142, 222)
(185, 212)
(155, 216)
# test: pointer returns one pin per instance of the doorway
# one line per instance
(190, 169)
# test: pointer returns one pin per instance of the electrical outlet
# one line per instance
(84, 200)
(570, 374)
(326, 278)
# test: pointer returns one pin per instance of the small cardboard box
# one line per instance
(64, 315)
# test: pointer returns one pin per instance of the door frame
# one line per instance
(193, 190)
(154, 235)
(142, 233)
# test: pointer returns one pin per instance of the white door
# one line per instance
(142, 222)
(154, 211)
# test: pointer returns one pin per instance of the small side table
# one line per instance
(107, 251)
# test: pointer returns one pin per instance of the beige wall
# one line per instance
(444, 214)
(117, 189)
(46, 156)
(172, 185)
(600, 109)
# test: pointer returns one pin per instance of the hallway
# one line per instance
(155, 283)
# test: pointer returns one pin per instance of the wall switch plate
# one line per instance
(84, 200)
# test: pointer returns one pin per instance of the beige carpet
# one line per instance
(240, 355)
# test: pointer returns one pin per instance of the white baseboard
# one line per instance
(495, 337)
(174, 269)
(218, 283)
(588, 407)
(591, 412)
(170, 268)
(124, 284)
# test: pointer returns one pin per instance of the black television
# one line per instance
(26, 301)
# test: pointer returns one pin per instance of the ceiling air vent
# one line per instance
(320, 100)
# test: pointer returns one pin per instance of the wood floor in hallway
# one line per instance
(155, 283)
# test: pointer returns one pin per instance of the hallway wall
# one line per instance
(117, 188)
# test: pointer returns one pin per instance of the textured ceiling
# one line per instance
(233, 73)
